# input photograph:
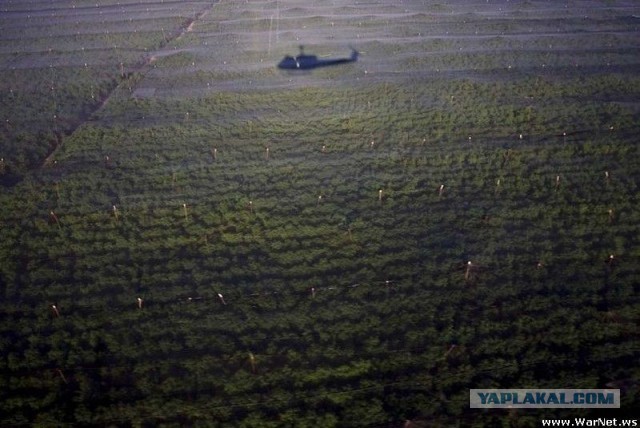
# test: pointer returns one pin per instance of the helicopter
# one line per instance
(308, 62)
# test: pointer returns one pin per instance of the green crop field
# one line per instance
(190, 236)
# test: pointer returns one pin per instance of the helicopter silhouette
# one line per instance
(308, 62)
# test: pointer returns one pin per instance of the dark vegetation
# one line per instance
(300, 256)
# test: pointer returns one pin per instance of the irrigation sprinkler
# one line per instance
(451, 348)
(64, 379)
(186, 214)
(506, 156)
(55, 311)
(467, 273)
(221, 297)
(380, 195)
(405, 164)
(115, 213)
(54, 217)
(441, 191)
(252, 361)
(266, 153)
(140, 302)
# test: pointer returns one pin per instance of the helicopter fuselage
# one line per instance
(307, 62)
